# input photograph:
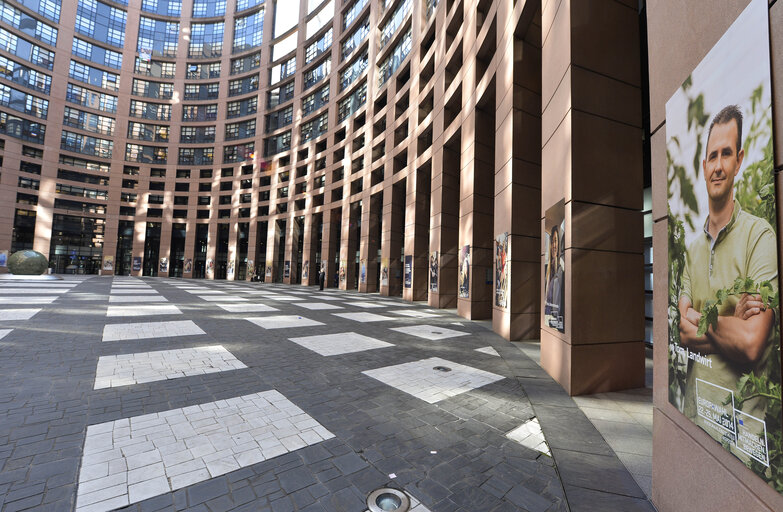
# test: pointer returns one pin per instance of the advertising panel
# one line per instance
(408, 271)
(434, 271)
(305, 270)
(463, 284)
(136, 265)
(108, 263)
(554, 267)
(384, 271)
(724, 330)
(502, 270)
(286, 269)
(363, 271)
(188, 267)
(164, 265)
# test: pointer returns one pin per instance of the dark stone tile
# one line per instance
(597, 472)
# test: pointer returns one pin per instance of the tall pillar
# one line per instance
(350, 243)
(417, 225)
(310, 274)
(516, 307)
(592, 165)
(444, 222)
(329, 244)
(370, 243)
(392, 238)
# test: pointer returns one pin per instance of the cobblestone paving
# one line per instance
(339, 432)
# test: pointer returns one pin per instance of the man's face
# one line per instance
(723, 162)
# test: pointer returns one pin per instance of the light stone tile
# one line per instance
(205, 291)
(143, 310)
(18, 314)
(488, 350)
(318, 305)
(221, 298)
(422, 380)
(429, 332)
(282, 321)
(137, 298)
(149, 474)
(42, 286)
(285, 298)
(341, 343)
(247, 308)
(4, 333)
(363, 317)
(30, 300)
(129, 369)
(131, 291)
(366, 305)
(530, 435)
(143, 330)
(32, 291)
(413, 313)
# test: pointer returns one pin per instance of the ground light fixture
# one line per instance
(388, 500)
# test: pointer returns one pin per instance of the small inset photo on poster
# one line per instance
(554, 267)
(724, 325)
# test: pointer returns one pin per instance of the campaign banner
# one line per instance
(136, 265)
(384, 271)
(434, 271)
(188, 266)
(723, 248)
(554, 267)
(408, 271)
(502, 270)
(108, 263)
(463, 277)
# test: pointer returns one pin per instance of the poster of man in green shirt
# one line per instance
(724, 324)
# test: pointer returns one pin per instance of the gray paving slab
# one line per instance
(449, 455)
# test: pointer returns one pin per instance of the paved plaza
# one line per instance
(165, 394)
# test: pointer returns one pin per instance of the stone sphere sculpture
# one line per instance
(27, 263)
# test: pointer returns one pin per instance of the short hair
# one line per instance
(724, 116)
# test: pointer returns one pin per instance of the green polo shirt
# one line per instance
(745, 247)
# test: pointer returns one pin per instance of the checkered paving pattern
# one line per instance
(167, 394)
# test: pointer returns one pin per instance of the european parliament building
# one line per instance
(400, 147)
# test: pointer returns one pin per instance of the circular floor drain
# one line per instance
(388, 500)
(442, 368)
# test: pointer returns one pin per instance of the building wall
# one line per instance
(716, 479)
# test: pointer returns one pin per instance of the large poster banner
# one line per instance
(434, 271)
(384, 271)
(136, 265)
(108, 263)
(464, 273)
(408, 271)
(724, 331)
(554, 267)
(502, 255)
(188, 267)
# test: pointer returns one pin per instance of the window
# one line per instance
(282, 71)
(152, 89)
(26, 50)
(238, 153)
(316, 100)
(87, 145)
(19, 20)
(355, 39)
(209, 8)
(88, 121)
(162, 7)
(393, 61)
(353, 71)
(248, 32)
(279, 119)
(395, 21)
(96, 54)
(201, 71)
(101, 22)
(318, 47)
(241, 130)
(277, 144)
(88, 98)
(280, 95)
(23, 102)
(352, 103)
(242, 107)
(353, 12)
(243, 85)
(21, 128)
(157, 38)
(148, 132)
(154, 68)
(146, 110)
(197, 134)
(199, 112)
(206, 40)
(314, 128)
(314, 75)
(145, 154)
(247, 4)
(94, 76)
(244, 64)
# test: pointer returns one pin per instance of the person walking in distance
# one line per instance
(321, 278)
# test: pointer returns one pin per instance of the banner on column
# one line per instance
(384, 271)
(268, 271)
(434, 271)
(343, 267)
(363, 271)
(464, 273)
(108, 263)
(554, 267)
(723, 257)
(188, 266)
(136, 265)
(408, 271)
(305, 269)
(210, 266)
(286, 269)
(501, 270)
(3, 258)
(230, 270)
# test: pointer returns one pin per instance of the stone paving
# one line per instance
(245, 404)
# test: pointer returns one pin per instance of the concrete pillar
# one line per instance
(591, 92)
